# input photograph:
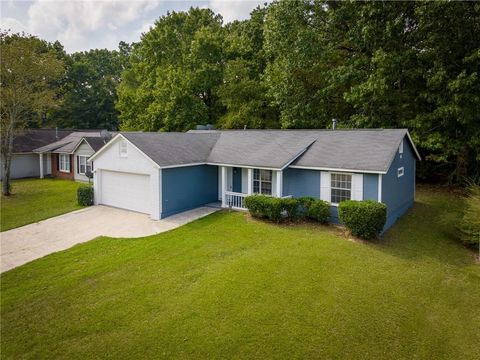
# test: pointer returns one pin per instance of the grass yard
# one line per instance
(33, 200)
(227, 286)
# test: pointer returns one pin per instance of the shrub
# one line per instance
(470, 223)
(319, 210)
(290, 208)
(303, 206)
(364, 219)
(262, 206)
(85, 195)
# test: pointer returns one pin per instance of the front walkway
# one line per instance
(24, 244)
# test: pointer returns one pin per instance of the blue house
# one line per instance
(162, 174)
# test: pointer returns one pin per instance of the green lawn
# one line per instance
(33, 200)
(227, 287)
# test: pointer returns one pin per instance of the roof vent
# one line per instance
(334, 124)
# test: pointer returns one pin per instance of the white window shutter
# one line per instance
(325, 193)
(357, 187)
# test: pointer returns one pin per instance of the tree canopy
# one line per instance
(295, 64)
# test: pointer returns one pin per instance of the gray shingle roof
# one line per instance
(95, 142)
(371, 150)
(31, 139)
(362, 150)
(168, 149)
(69, 142)
(260, 148)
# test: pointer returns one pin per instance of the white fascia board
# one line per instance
(105, 146)
(337, 169)
(413, 145)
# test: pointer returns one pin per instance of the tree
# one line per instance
(29, 69)
(90, 89)
(243, 92)
(175, 71)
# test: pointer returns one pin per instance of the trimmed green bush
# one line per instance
(290, 208)
(470, 223)
(85, 195)
(319, 210)
(303, 206)
(276, 209)
(364, 219)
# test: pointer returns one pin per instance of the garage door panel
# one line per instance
(126, 190)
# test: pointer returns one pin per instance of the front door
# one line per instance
(237, 180)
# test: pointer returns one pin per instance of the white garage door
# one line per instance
(126, 191)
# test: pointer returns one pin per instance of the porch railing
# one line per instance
(235, 200)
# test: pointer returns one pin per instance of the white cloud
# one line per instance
(87, 24)
(80, 24)
(235, 9)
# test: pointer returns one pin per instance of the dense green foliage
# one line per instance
(319, 210)
(298, 64)
(85, 195)
(364, 219)
(175, 73)
(227, 287)
(265, 207)
(470, 224)
(89, 89)
(33, 200)
(290, 209)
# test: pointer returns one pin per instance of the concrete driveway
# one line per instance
(24, 244)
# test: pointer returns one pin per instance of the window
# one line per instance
(341, 187)
(400, 171)
(262, 181)
(123, 148)
(64, 162)
(83, 165)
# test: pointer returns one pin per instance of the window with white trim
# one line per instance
(400, 171)
(262, 181)
(123, 148)
(84, 165)
(340, 187)
(64, 162)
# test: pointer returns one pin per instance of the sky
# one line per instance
(89, 24)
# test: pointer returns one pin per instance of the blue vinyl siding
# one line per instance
(398, 193)
(188, 187)
(299, 182)
(370, 187)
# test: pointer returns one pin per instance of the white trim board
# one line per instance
(337, 169)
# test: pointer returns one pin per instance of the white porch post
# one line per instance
(279, 183)
(249, 181)
(224, 186)
(41, 165)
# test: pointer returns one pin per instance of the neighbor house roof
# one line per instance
(31, 139)
(362, 150)
(70, 142)
(95, 142)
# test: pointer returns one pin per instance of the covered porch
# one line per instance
(236, 183)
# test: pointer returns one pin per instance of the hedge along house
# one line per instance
(67, 157)
(165, 173)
